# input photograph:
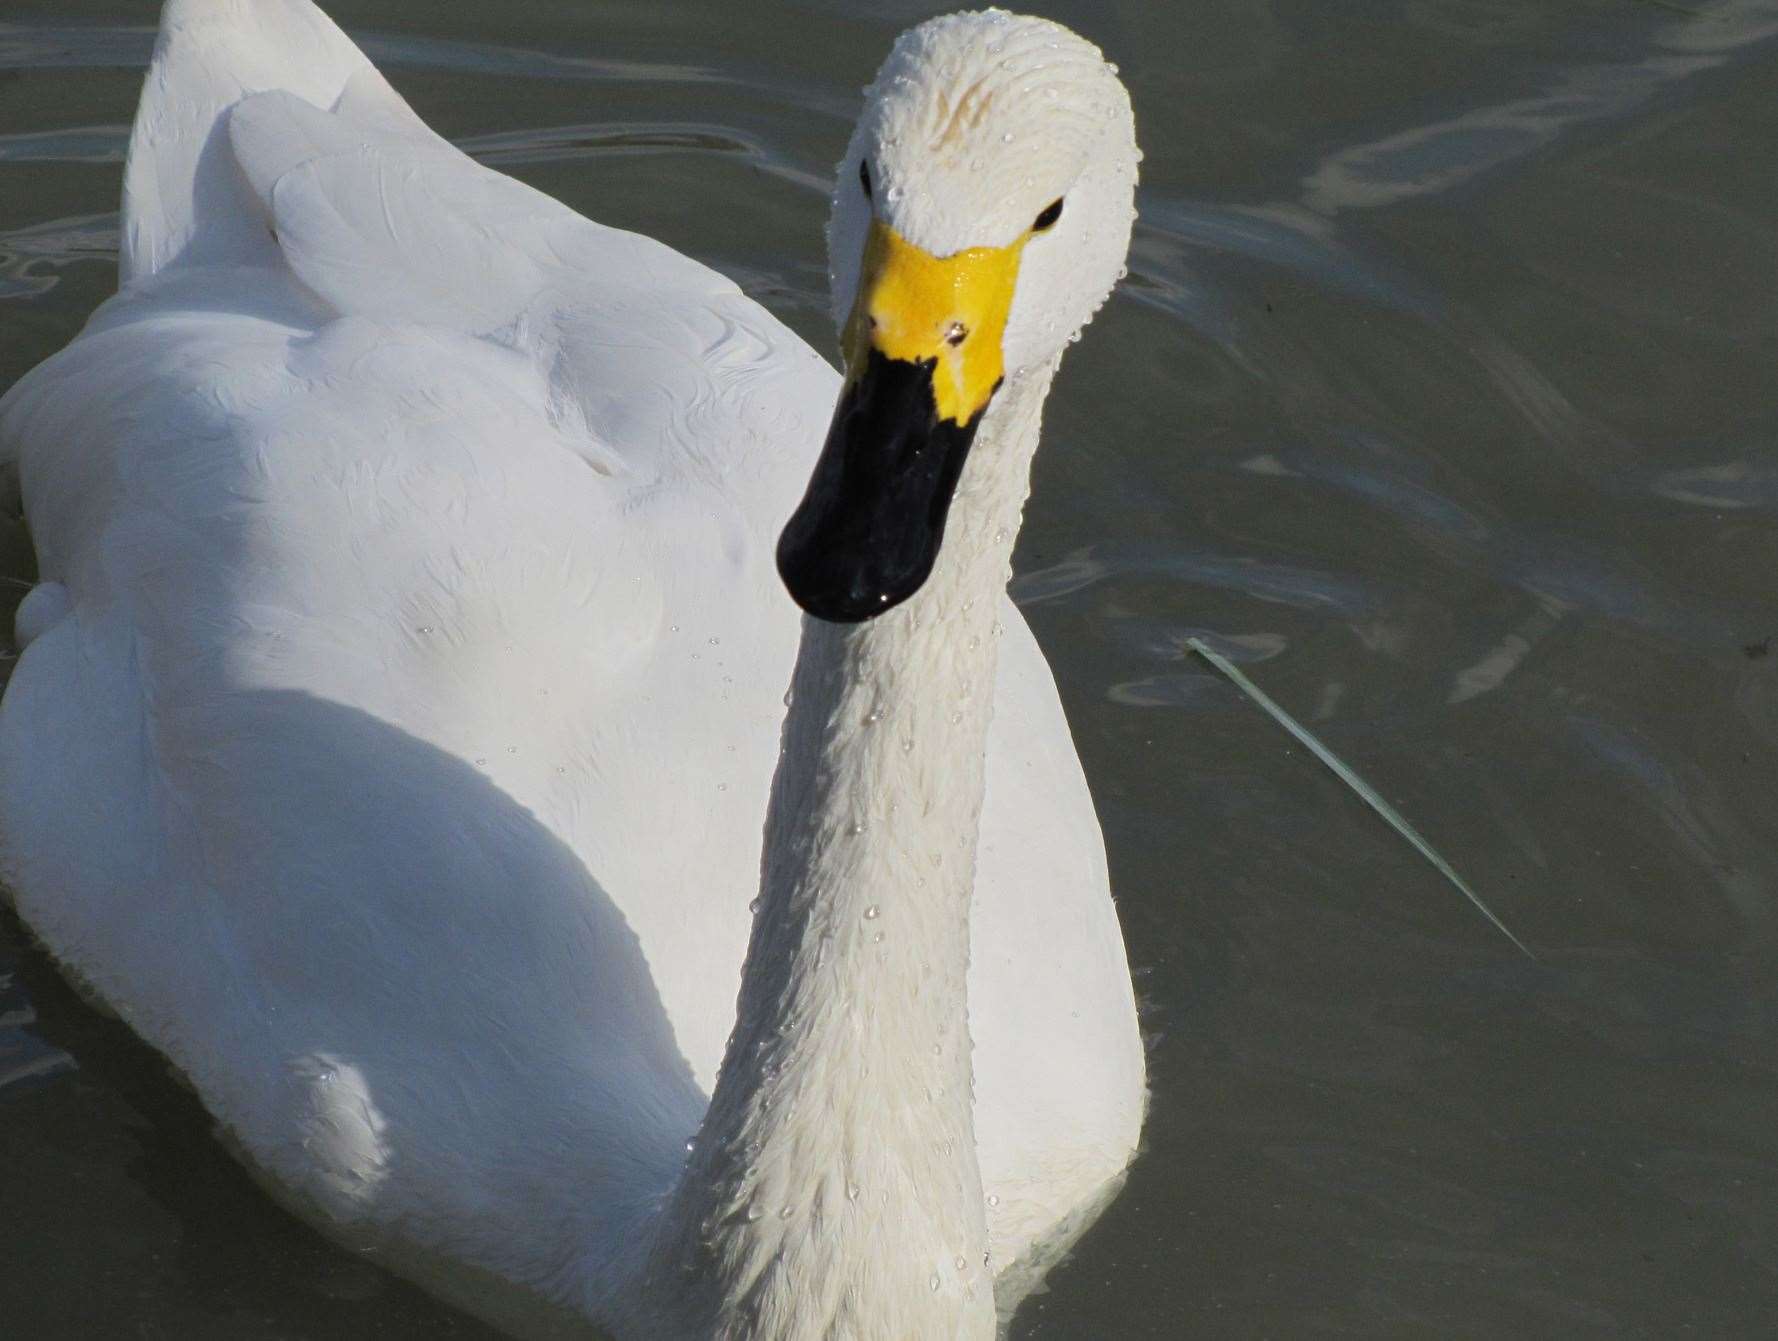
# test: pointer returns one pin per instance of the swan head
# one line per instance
(981, 215)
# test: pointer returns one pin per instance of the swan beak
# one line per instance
(923, 359)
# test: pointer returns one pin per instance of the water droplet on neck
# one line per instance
(934, 1282)
(786, 1213)
(753, 1213)
(852, 1191)
(753, 906)
(870, 913)
(993, 1201)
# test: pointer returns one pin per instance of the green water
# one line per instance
(1440, 398)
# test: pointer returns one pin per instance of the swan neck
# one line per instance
(833, 1189)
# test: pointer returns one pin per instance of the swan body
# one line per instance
(391, 736)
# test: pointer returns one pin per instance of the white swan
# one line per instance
(390, 741)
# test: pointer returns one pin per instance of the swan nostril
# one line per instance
(956, 333)
(870, 323)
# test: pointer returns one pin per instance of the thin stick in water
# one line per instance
(1365, 791)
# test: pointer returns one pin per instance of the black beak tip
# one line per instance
(867, 533)
(826, 590)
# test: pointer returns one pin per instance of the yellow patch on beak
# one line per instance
(950, 310)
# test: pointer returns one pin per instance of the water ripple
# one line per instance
(71, 144)
(52, 46)
(25, 252)
(1439, 156)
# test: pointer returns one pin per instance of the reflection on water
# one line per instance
(30, 256)
(1439, 398)
(1442, 155)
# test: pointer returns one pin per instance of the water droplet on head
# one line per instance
(753, 1213)
(870, 913)
(753, 906)
(789, 697)
(877, 939)
(786, 1213)
(993, 1201)
(934, 1282)
(852, 1190)
(1006, 138)
(962, 1263)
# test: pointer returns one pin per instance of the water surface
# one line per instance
(1440, 396)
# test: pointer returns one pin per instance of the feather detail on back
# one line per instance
(183, 200)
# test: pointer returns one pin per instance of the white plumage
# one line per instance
(391, 742)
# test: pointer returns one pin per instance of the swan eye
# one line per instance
(1045, 221)
(864, 176)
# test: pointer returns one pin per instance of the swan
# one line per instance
(391, 736)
